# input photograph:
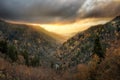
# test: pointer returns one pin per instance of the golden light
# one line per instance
(69, 30)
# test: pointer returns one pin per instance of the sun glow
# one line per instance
(69, 30)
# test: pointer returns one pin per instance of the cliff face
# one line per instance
(79, 48)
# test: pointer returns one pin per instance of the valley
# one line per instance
(32, 48)
(59, 39)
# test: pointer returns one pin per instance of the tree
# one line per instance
(3, 46)
(26, 57)
(35, 61)
(12, 53)
(98, 49)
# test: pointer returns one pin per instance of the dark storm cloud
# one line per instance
(39, 10)
(46, 11)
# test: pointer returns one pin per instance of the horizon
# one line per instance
(64, 17)
(67, 30)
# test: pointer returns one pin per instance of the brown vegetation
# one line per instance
(108, 69)
(14, 71)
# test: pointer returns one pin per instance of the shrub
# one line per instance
(23, 72)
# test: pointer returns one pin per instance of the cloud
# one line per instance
(100, 8)
(39, 10)
(51, 11)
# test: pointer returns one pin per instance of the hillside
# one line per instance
(79, 49)
(69, 63)
(36, 41)
(59, 38)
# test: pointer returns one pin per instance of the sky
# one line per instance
(51, 11)
(60, 15)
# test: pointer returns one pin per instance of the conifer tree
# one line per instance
(98, 49)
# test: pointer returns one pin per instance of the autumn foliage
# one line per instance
(14, 71)
(108, 69)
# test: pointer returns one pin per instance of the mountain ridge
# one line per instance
(79, 48)
(27, 38)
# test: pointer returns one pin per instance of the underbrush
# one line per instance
(14, 71)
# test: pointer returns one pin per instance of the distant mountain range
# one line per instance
(79, 48)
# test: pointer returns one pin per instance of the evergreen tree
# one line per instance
(3, 46)
(26, 57)
(12, 53)
(98, 49)
(35, 61)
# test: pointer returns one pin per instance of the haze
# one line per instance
(65, 17)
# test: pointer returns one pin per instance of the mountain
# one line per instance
(79, 49)
(59, 38)
(33, 39)
(68, 63)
